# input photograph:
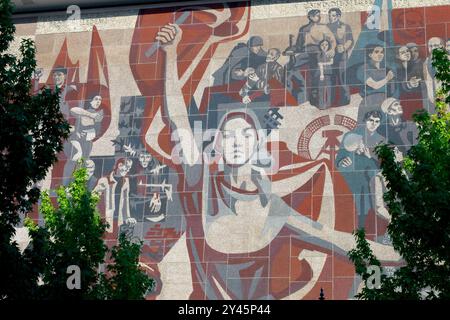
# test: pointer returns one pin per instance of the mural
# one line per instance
(241, 150)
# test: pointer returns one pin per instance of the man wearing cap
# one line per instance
(397, 131)
(257, 55)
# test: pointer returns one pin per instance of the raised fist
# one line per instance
(169, 36)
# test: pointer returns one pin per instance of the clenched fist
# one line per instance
(169, 36)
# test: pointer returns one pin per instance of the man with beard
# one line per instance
(397, 131)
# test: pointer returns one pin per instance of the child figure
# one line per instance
(323, 78)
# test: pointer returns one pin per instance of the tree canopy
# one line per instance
(32, 130)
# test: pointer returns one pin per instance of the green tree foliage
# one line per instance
(32, 130)
(73, 236)
(418, 199)
(74, 232)
(125, 280)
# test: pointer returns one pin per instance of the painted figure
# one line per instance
(230, 160)
(321, 91)
(259, 79)
(148, 197)
(92, 179)
(405, 81)
(115, 189)
(237, 197)
(431, 83)
(67, 90)
(358, 163)
(416, 63)
(344, 43)
(242, 57)
(305, 51)
(87, 126)
(376, 81)
(310, 35)
(396, 130)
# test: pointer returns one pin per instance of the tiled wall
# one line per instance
(237, 140)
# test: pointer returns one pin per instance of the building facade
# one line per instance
(236, 139)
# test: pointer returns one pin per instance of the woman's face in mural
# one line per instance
(324, 46)
(124, 167)
(239, 141)
(377, 54)
(404, 54)
(96, 102)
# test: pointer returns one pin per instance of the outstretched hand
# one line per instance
(155, 203)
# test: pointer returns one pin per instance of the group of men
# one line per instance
(321, 50)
